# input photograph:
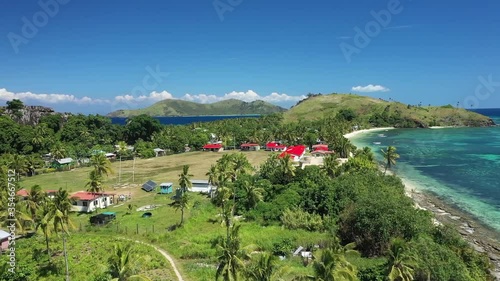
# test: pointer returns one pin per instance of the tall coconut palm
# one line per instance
(287, 168)
(34, 202)
(122, 147)
(185, 179)
(181, 203)
(213, 175)
(331, 165)
(253, 193)
(231, 256)
(241, 165)
(95, 182)
(390, 157)
(58, 150)
(18, 164)
(123, 264)
(101, 165)
(47, 219)
(62, 207)
(31, 164)
(401, 262)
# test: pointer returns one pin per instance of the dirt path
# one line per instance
(164, 253)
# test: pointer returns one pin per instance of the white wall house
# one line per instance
(202, 186)
(88, 202)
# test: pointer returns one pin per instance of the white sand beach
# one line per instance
(359, 132)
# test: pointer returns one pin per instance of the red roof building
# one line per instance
(213, 147)
(323, 147)
(89, 201)
(250, 146)
(296, 152)
(22, 192)
(275, 146)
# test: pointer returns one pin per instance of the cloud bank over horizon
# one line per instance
(133, 102)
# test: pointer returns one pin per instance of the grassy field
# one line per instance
(159, 169)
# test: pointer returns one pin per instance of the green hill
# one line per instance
(380, 112)
(187, 108)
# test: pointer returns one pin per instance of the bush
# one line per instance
(284, 247)
(299, 219)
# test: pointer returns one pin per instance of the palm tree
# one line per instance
(46, 221)
(401, 262)
(213, 175)
(123, 264)
(101, 164)
(331, 165)
(31, 164)
(58, 150)
(18, 164)
(95, 182)
(390, 157)
(181, 202)
(332, 266)
(122, 148)
(34, 203)
(231, 256)
(253, 193)
(62, 207)
(184, 179)
(265, 268)
(241, 165)
(287, 168)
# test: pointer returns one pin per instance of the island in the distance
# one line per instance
(174, 107)
(368, 110)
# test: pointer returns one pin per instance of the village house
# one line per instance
(4, 240)
(64, 163)
(215, 147)
(250, 147)
(275, 146)
(87, 202)
(202, 186)
(296, 152)
(24, 194)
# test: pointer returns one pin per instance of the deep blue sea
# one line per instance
(184, 120)
(459, 165)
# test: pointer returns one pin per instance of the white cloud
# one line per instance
(370, 89)
(247, 96)
(153, 97)
(48, 98)
(128, 101)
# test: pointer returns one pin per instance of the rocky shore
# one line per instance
(482, 238)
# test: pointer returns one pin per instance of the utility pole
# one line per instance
(120, 171)
(66, 258)
(133, 171)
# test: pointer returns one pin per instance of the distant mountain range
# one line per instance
(172, 107)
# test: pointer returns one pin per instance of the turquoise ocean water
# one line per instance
(459, 165)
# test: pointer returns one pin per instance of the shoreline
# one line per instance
(362, 131)
(481, 237)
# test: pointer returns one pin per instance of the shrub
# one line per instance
(299, 219)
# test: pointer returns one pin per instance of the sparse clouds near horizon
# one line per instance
(143, 100)
(370, 88)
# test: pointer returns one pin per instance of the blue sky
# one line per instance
(98, 56)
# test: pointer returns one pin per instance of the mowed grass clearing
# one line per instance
(158, 169)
